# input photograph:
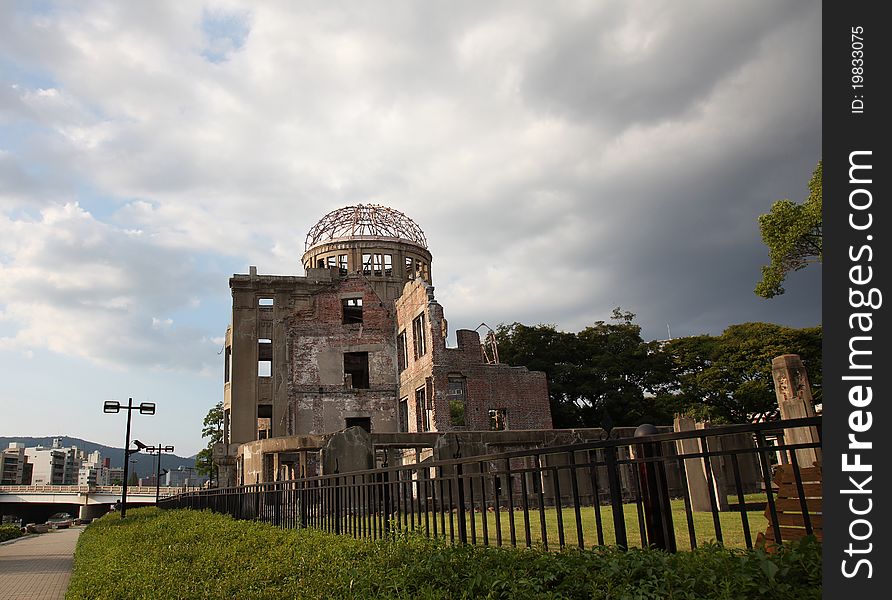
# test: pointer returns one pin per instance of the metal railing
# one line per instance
(608, 491)
(90, 489)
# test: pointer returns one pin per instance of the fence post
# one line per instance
(655, 492)
(616, 497)
(386, 490)
(462, 526)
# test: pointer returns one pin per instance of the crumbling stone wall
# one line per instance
(521, 393)
(320, 399)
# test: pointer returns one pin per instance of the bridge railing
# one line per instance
(133, 490)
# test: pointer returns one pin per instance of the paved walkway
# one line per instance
(38, 567)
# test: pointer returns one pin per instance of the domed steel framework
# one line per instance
(365, 221)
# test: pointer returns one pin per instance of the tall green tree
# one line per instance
(604, 374)
(212, 428)
(794, 236)
(727, 378)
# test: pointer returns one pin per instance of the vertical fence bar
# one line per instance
(497, 502)
(616, 497)
(577, 510)
(800, 491)
(540, 496)
(596, 494)
(509, 480)
(558, 501)
(712, 488)
(460, 490)
(741, 501)
(526, 507)
(761, 444)
(689, 513)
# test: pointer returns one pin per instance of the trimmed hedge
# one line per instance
(190, 554)
(10, 532)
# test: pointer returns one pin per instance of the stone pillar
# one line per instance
(795, 401)
(225, 459)
(695, 468)
(348, 450)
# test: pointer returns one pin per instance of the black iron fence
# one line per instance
(669, 490)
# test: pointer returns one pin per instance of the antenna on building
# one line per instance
(489, 345)
(669, 330)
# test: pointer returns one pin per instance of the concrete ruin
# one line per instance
(358, 341)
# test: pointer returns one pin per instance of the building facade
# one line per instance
(14, 465)
(360, 340)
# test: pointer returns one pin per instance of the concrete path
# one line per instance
(38, 567)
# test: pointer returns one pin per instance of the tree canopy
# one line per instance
(794, 236)
(606, 373)
(727, 378)
(603, 375)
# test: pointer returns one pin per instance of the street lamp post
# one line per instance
(159, 449)
(144, 408)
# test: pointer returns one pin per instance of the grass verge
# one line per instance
(189, 554)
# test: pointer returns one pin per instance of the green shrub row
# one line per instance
(10, 532)
(190, 554)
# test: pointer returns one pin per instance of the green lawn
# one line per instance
(182, 554)
(731, 524)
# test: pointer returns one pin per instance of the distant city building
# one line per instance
(13, 463)
(58, 465)
(48, 465)
(115, 475)
(183, 477)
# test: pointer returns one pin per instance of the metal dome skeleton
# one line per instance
(369, 221)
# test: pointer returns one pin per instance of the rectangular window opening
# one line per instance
(402, 352)
(264, 421)
(265, 301)
(419, 341)
(352, 309)
(331, 262)
(364, 422)
(227, 365)
(367, 264)
(342, 264)
(388, 265)
(422, 408)
(498, 419)
(410, 270)
(264, 357)
(356, 365)
(404, 415)
(378, 271)
(456, 391)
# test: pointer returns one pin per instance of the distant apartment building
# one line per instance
(183, 477)
(48, 465)
(115, 475)
(94, 470)
(14, 465)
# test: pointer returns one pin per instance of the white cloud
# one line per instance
(539, 146)
(83, 288)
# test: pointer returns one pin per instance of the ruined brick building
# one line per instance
(360, 340)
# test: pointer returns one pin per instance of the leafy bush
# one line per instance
(9, 532)
(190, 554)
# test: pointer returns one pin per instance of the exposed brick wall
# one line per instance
(317, 340)
(523, 393)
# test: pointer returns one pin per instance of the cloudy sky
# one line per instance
(563, 158)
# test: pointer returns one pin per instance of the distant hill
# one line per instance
(144, 466)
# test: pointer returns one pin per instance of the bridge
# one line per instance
(35, 503)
